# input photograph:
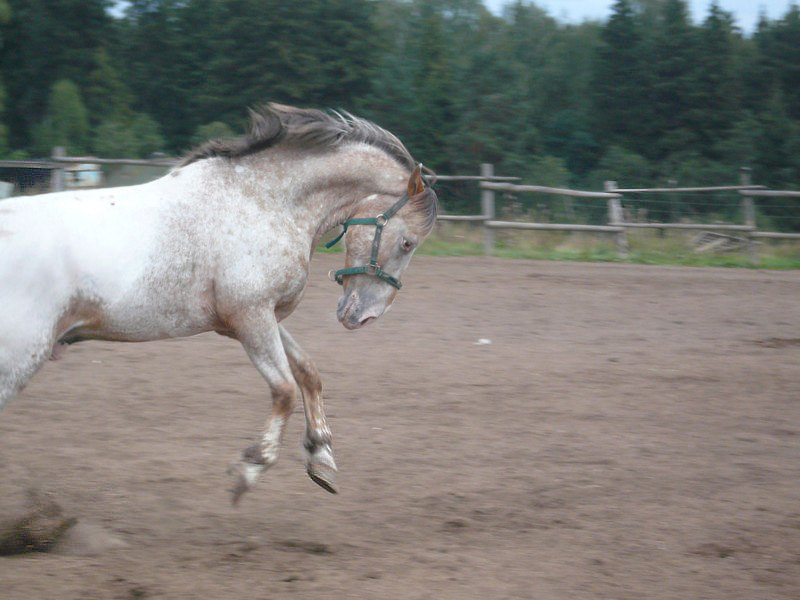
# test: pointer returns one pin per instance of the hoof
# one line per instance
(325, 477)
(245, 475)
(322, 468)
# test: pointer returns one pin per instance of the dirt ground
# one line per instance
(629, 432)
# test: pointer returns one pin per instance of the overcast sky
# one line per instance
(575, 11)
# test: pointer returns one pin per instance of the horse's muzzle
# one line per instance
(354, 313)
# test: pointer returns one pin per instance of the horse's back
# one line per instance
(58, 250)
(94, 233)
(29, 250)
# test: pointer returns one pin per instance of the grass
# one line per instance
(646, 247)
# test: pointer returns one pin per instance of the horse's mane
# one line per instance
(275, 124)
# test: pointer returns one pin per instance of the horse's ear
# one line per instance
(416, 185)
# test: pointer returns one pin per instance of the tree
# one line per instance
(716, 97)
(627, 168)
(150, 44)
(66, 123)
(44, 42)
(5, 16)
(670, 58)
(779, 44)
(619, 86)
(107, 96)
(490, 108)
(211, 131)
(137, 136)
(773, 162)
(433, 86)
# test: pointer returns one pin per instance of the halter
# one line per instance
(372, 268)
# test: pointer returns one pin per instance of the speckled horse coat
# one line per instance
(221, 243)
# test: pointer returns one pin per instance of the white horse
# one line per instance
(221, 243)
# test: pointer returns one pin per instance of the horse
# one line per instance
(221, 243)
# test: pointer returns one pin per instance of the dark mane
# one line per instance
(275, 124)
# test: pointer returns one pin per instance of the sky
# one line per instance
(746, 12)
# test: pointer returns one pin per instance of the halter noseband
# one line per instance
(372, 268)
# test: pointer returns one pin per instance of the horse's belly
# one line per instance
(155, 319)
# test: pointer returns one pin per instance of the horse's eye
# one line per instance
(407, 245)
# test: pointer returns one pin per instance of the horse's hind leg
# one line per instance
(317, 443)
(19, 361)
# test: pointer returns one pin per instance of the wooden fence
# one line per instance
(617, 226)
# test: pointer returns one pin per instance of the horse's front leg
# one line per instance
(259, 333)
(317, 443)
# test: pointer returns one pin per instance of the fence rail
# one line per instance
(718, 188)
(554, 226)
(704, 226)
(462, 218)
(475, 178)
(509, 187)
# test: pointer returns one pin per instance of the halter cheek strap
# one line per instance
(372, 268)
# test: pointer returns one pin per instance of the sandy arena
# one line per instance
(629, 432)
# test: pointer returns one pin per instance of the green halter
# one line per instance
(372, 268)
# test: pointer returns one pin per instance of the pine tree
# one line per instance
(433, 85)
(671, 65)
(781, 51)
(619, 86)
(490, 108)
(716, 97)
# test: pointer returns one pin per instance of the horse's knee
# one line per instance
(307, 376)
(284, 396)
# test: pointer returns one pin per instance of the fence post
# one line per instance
(487, 210)
(615, 217)
(749, 212)
(57, 175)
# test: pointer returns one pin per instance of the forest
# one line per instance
(642, 97)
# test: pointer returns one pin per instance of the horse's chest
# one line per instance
(291, 283)
(269, 278)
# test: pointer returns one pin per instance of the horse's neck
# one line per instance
(322, 191)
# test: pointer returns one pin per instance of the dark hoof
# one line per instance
(325, 477)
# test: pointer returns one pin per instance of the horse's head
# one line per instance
(380, 240)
